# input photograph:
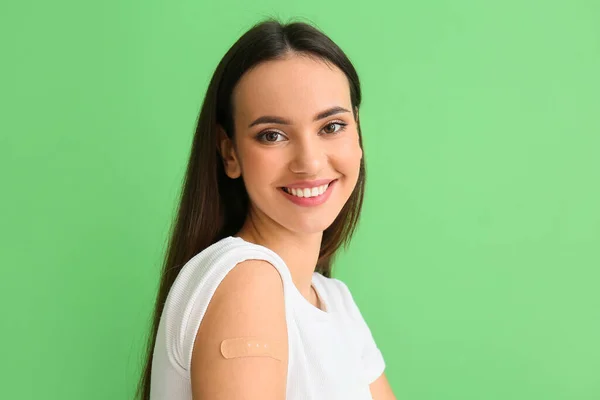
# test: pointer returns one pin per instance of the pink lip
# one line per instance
(310, 201)
(309, 184)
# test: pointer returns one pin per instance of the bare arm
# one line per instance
(381, 389)
(249, 302)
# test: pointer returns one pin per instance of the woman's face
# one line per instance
(282, 139)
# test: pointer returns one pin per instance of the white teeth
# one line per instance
(306, 192)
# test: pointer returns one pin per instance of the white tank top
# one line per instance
(332, 353)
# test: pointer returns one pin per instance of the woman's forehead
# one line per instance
(295, 88)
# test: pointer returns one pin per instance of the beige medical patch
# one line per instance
(252, 347)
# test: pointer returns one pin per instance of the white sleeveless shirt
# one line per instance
(332, 353)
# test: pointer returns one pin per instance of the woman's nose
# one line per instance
(308, 156)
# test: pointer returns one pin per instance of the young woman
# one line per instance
(247, 307)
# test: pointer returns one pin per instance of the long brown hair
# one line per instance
(213, 206)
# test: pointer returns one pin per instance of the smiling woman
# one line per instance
(274, 186)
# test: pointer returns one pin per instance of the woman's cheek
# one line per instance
(348, 152)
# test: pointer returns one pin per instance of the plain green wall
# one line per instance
(476, 263)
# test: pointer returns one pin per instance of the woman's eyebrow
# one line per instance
(269, 119)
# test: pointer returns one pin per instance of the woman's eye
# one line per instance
(270, 136)
(333, 124)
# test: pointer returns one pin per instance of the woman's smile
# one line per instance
(309, 197)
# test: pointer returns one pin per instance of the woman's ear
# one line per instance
(228, 155)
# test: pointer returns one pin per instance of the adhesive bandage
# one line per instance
(252, 347)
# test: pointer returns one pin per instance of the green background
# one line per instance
(476, 263)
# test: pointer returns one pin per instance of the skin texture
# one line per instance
(295, 88)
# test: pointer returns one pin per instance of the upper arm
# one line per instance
(381, 389)
(249, 301)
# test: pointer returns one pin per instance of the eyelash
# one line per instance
(342, 125)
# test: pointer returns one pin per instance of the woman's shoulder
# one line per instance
(195, 286)
(218, 258)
